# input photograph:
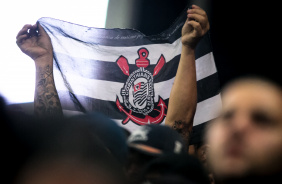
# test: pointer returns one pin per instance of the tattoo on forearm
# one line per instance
(46, 101)
(183, 129)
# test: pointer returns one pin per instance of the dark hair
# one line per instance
(260, 79)
(184, 166)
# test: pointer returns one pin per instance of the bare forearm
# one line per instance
(46, 99)
(183, 97)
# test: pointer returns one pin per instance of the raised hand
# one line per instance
(195, 27)
(34, 42)
(183, 96)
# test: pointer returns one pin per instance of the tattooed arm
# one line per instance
(183, 97)
(46, 100)
(35, 42)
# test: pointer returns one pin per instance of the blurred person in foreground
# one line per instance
(63, 150)
(175, 168)
(88, 148)
(199, 148)
(245, 141)
(148, 143)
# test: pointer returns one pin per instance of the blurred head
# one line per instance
(197, 144)
(65, 150)
(246, 138)
(199, 148)
(149, 142)
(181, 167)
(109, 132)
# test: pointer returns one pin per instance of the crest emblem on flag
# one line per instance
(138, 90)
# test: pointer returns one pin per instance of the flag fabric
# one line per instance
(125, 74)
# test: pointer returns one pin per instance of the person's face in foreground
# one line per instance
(246, 139)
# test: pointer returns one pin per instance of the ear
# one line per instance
(192, 150)
(203, 152)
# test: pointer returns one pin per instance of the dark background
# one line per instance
(244, 35)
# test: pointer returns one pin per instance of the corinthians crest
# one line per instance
(138, 91)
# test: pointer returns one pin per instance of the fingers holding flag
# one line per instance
(29, 30)
(41, 31)
(196, 10)
(196, 26)
(23, 33)
(34, 41)
(196, 14)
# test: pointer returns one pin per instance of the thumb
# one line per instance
(40, 29)
(197, 27)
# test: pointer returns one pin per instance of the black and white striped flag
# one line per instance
(125, 74)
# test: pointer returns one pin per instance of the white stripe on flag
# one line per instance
(69, 113)
(108, 90)
(205, 66)
(73, 48)
(207, 109)
(130, 125)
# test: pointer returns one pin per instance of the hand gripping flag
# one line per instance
(125, 74)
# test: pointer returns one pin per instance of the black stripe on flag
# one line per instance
(207, 87)
(111, 37)
(204, 46)
(110, 71)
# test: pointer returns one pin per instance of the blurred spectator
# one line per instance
(246, 139)
(126, 132)
(64, 150)
(199, 148)
(175, 168)
(10, 145)
(111, 134)
(149, 142)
